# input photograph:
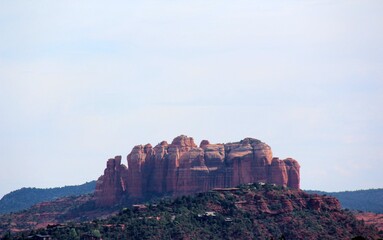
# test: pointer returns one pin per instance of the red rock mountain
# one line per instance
(183, 168)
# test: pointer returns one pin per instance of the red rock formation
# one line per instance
(241, 157)
(176, 149)
(112, 185)
(182, 168)
(135, 166)
(193, 175)
(278, 173)
(292, 168)
(204, 143)
(214, 156)
(262, 160)
(157, 172)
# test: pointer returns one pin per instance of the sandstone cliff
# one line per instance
(111, 186)
(183, 168)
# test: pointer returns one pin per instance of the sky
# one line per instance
(84, 81)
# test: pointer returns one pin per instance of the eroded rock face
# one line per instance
(136, 160)
(112, 186)
(278, 173)
(179, 146)
(183, 168)
(292, 168)
(158, 169)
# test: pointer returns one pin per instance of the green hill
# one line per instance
(253, 211)
(370, 200)
(26, 197)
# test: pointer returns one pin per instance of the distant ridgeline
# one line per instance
(183, 168)
(26, 197)
(363, 200)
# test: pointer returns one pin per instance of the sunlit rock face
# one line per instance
(183, 168)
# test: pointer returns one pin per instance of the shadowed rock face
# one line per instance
(111, 186)
(183, 168)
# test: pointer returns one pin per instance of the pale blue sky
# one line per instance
(82, 81)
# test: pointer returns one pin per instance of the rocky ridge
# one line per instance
(183, 168)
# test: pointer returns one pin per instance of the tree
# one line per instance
(96, 233)
(73, 234)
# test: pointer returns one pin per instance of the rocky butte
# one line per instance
(183, 168)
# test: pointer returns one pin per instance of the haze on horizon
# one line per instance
(83, 81)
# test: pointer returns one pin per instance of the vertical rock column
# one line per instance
(262, 159)
(242, 158)
(157, 177)
(293, 168)
(179, 146)
(278, 173)
(111, 186)
(136, 160)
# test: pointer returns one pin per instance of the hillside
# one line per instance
(26, 197)
(248, 212)
(370, 200)
(371, 218)
(73, 208)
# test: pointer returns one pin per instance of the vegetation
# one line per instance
(251, 211)
(26, 197)
(362, 200)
